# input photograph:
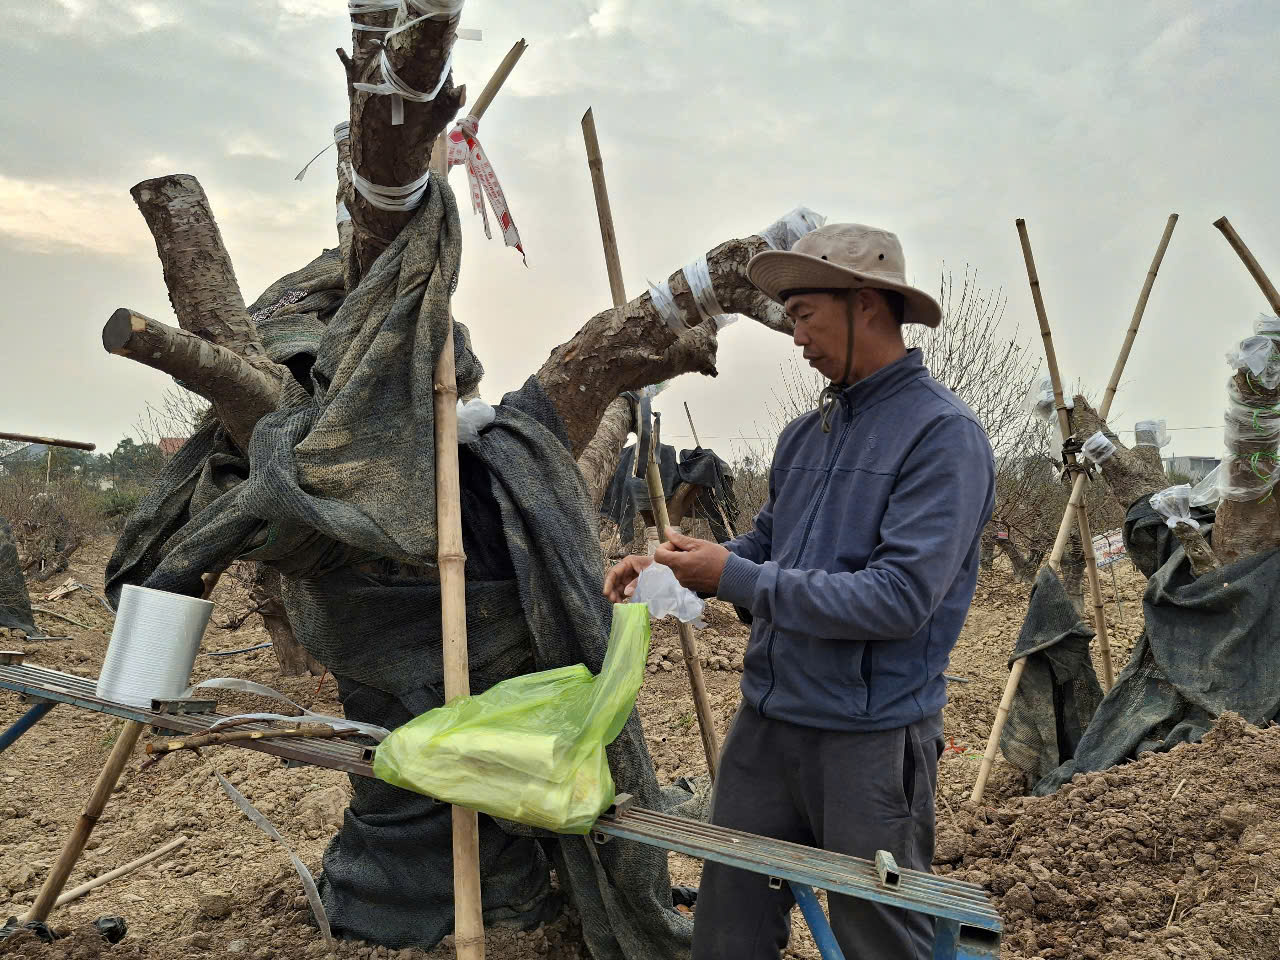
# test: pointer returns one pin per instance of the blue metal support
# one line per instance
(953, 940)
(819, 926)
(25, 723)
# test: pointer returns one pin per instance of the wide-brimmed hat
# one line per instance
(843, 256)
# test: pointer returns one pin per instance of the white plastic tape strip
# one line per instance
(265, 825)
(398, 90)
(699, 276)
(248, 686)
(343, 214)
(665, 304)
(392, 199)
(784, 232)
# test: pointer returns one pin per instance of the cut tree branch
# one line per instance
(241, 393)
(205, 296)
(624, 350)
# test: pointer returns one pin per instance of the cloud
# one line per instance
(50, 217)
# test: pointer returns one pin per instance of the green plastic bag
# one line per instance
(529, 749)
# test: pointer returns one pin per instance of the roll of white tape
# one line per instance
(153, 646)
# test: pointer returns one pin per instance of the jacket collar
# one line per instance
(886, 381)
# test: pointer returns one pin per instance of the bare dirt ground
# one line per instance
(1174, 856)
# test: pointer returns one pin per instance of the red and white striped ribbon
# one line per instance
(465, 150)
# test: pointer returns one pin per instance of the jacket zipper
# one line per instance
(804, 542)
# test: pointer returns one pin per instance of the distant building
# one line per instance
(170, 445)
(1197, 468)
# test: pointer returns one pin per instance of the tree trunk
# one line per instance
(205, 296)
(293, 659)
(383, 152)
(599, 461)
(1129, 475)
(1245, 527)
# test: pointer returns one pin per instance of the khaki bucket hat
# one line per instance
(843, 256)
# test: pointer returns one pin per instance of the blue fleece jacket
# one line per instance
(861, 566)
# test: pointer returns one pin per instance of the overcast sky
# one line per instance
(942, 122)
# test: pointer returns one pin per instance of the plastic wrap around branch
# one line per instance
(1174, 504)
(473, 416)
(1098, 448)
(658, 587)
(1151, 433)
(1246, 422)
(1258, 356)
(785, 231)
(1040, 402)
(1205, 493)
(1245, 477)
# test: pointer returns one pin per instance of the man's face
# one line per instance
(821, 331)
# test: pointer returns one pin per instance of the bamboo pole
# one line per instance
(1076, 503)
(77, 892)
(439, 152)
(1250, 263)
(48, 441)
(658, 503)
(126, 740)
(498, 79)
(1077, 490)
(468, 915)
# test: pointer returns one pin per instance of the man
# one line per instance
(858, 574)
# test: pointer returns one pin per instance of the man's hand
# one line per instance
(697, 564)
(620, 582)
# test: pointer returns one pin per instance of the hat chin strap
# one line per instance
(831, 392)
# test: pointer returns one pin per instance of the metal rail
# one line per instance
(968, 927)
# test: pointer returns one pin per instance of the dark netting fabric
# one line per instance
(337, 492)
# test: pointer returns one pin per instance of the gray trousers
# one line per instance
(852, 793)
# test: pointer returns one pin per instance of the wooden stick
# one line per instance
(595, 162)
(692, 428)
(658, 503)
(1077, 489)
(498, 79)
(77, 892)
(468, 916)
(61, 616)
(1250, 262)
(312, 730)
(1076, 503)
(71, 850)
(49, 441)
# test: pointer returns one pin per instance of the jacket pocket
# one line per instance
(858, 678)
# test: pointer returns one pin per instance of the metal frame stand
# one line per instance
(967, 926)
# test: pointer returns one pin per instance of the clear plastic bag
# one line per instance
(1205, 493)
(1098, 448)
(1244, 478)
(785, 231)
(529, 749)
(1174, 504)
(473, 416)
(1151, 433)
(1258, 355)
(1040, 401)
(1246, 422)
(658, 588)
